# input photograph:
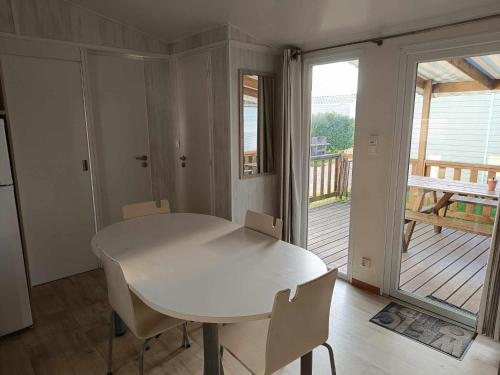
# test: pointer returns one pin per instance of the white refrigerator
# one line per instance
(15, 310)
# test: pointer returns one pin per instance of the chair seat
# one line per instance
(247, 342)
(149, 322)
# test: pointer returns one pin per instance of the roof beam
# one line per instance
(473, 72)
(420, 82)
(465, 86)
(250, 86)
(424, 128)
(250, 92)
(250, 82)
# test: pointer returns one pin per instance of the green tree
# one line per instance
(338, 130)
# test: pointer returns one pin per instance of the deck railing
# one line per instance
(250, 162)
(467, 172)
(330, 176)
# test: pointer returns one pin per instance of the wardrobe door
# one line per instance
(121, 131)
(45, 109)
(194, 179)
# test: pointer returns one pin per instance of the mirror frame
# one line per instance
(243, 72)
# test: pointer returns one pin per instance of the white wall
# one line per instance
(376, 114)
(43, 25)
(232, 49)
(257, 193)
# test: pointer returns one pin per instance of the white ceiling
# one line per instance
(289, 22)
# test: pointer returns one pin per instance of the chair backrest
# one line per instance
(264, 223)
(130, 211)
(299, 325)
(119, 295)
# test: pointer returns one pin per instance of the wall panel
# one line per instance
(258, 193)
(6, 20)
(162, 131)
(61, 20)
(222, 144)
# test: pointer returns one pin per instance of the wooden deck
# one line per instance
(448, 267)
(328, 235)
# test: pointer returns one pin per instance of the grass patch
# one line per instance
(461, 207)
(326, 201)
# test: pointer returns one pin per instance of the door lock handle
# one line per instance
(142, 157)
(183, 158)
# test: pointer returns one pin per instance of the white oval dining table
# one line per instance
(206, 269)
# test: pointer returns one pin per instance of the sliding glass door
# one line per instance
(450, 195)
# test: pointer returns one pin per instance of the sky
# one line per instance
(334, 79)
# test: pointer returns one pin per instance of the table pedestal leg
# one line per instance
(306, 364)
(211, 354)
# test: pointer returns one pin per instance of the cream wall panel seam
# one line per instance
(6, 17)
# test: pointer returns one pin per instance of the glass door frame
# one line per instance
(409, 59)
(308, 62)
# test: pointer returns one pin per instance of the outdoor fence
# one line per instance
(330, 176)
(250, 162)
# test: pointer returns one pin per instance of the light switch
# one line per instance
(373, 145)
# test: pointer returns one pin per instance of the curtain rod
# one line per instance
(379, 41)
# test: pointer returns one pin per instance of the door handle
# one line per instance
(142, 157)
(183, 158)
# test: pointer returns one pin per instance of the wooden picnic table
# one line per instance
(444, 192)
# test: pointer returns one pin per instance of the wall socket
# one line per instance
(366, 262)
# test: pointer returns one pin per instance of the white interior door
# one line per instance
(45, 110)
(194, 182)
(121, 131)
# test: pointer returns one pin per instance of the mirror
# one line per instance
(257, 123)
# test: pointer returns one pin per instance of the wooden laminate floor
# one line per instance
(71, 328)
(449, 266)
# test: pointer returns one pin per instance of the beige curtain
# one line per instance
(489, 316)
(292, 170)
(265, 125)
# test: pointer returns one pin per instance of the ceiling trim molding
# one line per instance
(89, 47)
(255, 47)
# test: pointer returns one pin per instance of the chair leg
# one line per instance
(332, 359)
(110, 342)
(221, 354)
(185, 337)
(145, 346)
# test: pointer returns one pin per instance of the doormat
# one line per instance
(436, 333)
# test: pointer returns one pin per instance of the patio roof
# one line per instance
(489, 64)
(460, 74)
(453, 76)
(445, 71)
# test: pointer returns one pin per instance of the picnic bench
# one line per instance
(444, 192)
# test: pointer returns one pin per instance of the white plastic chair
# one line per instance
(295, 328)
(264, 224)
(133, 210)
(144, 322)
